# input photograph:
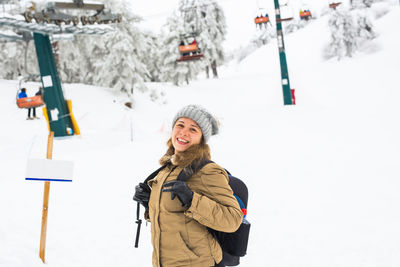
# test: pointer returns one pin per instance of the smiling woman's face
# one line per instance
(185, 133)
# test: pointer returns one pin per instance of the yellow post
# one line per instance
(46, 201)
(73, 120)
(44, 109)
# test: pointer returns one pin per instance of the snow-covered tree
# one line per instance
(171, 70)
(151, 58)
(213, 31)
(206, 18)
(17, 58)
(76, 59)
(119, 63)
(120, 59)
(11, 68)
(293, 25)
(200, 20)
(365, 27)
(343, 34)
(264, 36)
(349, 31)
(115, 60)
(361, 3)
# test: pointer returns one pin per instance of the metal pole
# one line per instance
(57, 110)
(287, 96)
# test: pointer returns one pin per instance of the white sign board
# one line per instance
(49, 170)
(47, 81)
(54, 114)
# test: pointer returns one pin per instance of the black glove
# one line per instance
(142, 194)
(180, 189)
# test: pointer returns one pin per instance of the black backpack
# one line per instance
(234, 245)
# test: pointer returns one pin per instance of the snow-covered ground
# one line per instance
(323, 175)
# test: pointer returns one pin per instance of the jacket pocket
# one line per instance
(185, 248)
(174, 251)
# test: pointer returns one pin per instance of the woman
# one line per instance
(180, 211)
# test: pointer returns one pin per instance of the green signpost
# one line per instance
(287, 94)
(57, 111)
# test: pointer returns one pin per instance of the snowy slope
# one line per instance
(322, 175)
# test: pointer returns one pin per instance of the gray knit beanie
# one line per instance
(207, 123)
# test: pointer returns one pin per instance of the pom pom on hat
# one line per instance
(207, 123)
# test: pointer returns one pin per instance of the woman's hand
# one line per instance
(180, 189)
(142, 194)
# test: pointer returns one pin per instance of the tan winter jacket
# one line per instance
(179, 235)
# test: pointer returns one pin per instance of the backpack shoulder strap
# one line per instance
(188, 172)
(138, 220)
(239, 188)
(154, 174)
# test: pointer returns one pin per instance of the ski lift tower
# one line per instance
(288, 98)
(51, 23)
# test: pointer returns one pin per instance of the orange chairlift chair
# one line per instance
(29, 102)
(189, 52)
(262, 19)
(305, 14)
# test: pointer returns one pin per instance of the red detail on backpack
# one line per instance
(244, 211)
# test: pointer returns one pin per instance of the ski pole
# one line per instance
(139, 223)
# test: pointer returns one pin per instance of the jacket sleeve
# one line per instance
(215, 207)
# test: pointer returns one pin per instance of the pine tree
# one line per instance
(365, 27)
(151, 58)
(17, 58)
(122, 67)
(213, 31)
(343, 34)
(203, 21)
(206, 18)
(349, 31)
(115, 60)
(294, 25)
(9, 66)
(263, 36)
(361, 3)
(76, 59)
(171, 70)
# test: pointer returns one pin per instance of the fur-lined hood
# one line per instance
(189, 157)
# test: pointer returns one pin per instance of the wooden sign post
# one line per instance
(48, 170)
(42, 249)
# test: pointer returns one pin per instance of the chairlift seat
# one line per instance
(190, 57)
(260, 20)
(30, 102)
(334, 5)
(284, 19)
(188, 48)
(305, 14)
